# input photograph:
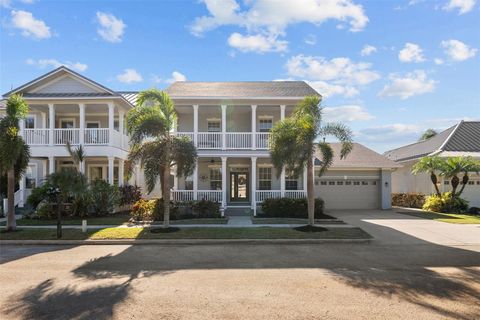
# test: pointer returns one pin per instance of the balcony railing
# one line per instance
(233, 140)
(36, 136)
(62, 136)
(97, 136)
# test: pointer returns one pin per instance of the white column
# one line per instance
(111, 110)
(224, 182)
(282, 183)
(254, 127)
(51, 165)
(51, 120)
(22, 184)
(44, 120)
(175, 178)
(81, 107)
(254, 185)
(110, 169)
(121, 171)
(137, 175)
(121, 119)
(195, 181)
(21, 124)
(282, 112)
(224, 127)
(195, 125)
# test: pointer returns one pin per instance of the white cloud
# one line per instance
(30, 26)
(176, 76)
(390, 133)
(44, 63)
(5, 3)
(256, 43)
(463, 6)
(346, 113)
(328, 90)
(368, 50)
(414, 83)
(457, 50)
(130, 76)
(111, 28)
(311, 39)
(438, 61)
(411, 53)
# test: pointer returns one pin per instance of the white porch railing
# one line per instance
(62, 136)
(262, 140)
(295, 194)
(181, 195)
(17, 198)
(239, 140)
(209, 140)
(185, 134)
(36, 136)
(233, 140)
(212, 195)
(261, 195)
(97, 136)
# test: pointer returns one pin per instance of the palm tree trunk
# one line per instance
(434, 179)
(11, 223)
(310, 195)
(455, 181)
(465, 180)
(166, 197)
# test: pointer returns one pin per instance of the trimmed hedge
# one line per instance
(290, 208)
(409, 200)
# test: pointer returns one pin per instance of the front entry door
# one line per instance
(239, 186)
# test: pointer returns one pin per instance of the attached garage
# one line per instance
(360, 181)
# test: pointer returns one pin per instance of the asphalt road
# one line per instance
(327, 281)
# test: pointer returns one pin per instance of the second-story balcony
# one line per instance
(229, 140)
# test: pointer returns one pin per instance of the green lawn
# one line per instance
(444, 217)
(290, 221)
(188, 233)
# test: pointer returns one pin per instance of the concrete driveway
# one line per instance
(390, 227)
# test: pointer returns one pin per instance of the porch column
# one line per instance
(81, 108)
(254, 185)
(254, 127)
(121, 171)
(44, 120)
(121, 119)
(282, 182)
(82, 167)
(111, 110)
(137, 175)
(175, 178)
(22, 184)
(224, 183)
(110, 170)
(51, 120)
(195, 181)
(282, 112)
(224, 127)
(195, 124)
(21, 124)
(51, 165)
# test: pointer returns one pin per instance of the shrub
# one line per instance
(159, 209)
(409, 200)
(474, 211)
(129, 194)
(148, 210)
(38, 195)
(206, 209)
(445, 203)
(104, 197)
(290, 208)
(142, 210)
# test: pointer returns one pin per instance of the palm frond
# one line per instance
(342, 133)
(184, 155)
(327, 157)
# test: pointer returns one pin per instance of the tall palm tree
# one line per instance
(293, 144)
(432, 165)
(455, 166)
(152, 144)
(429, 133)
(14, 152)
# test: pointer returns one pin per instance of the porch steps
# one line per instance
(235, 212)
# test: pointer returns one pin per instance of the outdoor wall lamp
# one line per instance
(386, 184)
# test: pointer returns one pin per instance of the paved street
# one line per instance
(414, 278)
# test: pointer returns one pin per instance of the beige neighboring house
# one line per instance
(229, 123)
(462, 139)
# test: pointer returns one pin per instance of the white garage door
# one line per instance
(349, 194)
(472, 193)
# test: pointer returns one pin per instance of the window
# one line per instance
(446, 182)
(471, 182)
(116, 125)
(215, 178)
(356, 183)
(30, 122)
(67, 123)
(189, 183)
(291, 181)
(364, 183)
(339, 183)
(214, 125)
(265, 178)
(478, 183)
(331, 183)
(348, 183)
(31, 177)
(374, 183)
(323, 183)
(265, 125)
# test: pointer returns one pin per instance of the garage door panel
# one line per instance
(356, 195)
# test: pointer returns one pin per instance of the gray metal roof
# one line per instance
(359, 157)
(251, 89)
(130, 96)
(64, 95)
(462, 137)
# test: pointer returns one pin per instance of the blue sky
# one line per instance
(388, 69)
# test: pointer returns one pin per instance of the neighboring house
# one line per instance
(229, 122)
(462, 139)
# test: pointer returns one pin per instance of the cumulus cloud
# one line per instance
(327, 89)
(411, 53)
(257, 43)
(30, 26)
(347, 113)
(368, 50)
(110, 28)
(412, 84)
(463, 6)
(130, 76)
(53, 63)
(390, 132)
(457, 50)
(176, 76)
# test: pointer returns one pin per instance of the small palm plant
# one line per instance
(78, 156)
(14, 152)
(432, 165)
(293, 144)
(153, 145)
(455, 166)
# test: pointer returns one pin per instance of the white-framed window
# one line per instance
(264, 125)
(348, 183)
(323, 183)
(215, 179)
(214, 125)
(30, 122)
(31, 176)
(364, 183)
(264, 178)
(331, 183)
(67, 123)
(291, 181)
(356, 183)
(339, 183)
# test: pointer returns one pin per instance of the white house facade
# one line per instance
(229, 123)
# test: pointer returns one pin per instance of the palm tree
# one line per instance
(153, 145)
(457, 165)
(14, 152)
(429, 133)
(78, 156)
(293, 144)
(430, 164)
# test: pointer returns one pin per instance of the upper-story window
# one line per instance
(214, 125)
(30, 122)
(265, 125)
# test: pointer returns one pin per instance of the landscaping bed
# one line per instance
(187, 233)
(107, 220)
(444, 217)
(260, 220)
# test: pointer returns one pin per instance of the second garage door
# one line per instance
(349, 194)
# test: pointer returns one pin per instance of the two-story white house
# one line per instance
(229, 123)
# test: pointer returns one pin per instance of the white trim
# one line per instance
(214, 119)
(215, 166)
(234, 98)
(239, 165)
(69, 75)
(60, 120)
(262, 117)
(264, 165)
